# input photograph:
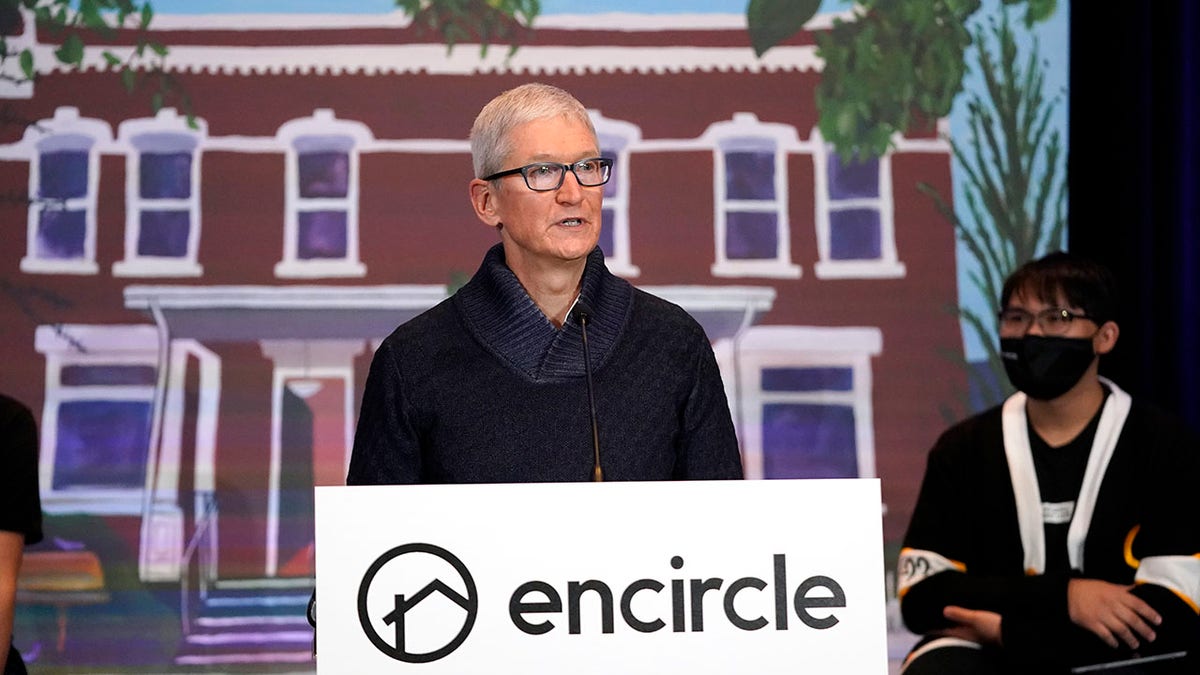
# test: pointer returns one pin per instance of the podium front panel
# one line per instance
(779, 576)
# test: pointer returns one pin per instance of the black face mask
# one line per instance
(1045, 367)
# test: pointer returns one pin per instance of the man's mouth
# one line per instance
(571, 222)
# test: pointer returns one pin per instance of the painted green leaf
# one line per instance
(71, 51)
(27, 63)
(89, 14)
(773, 21)
(111, 59)
(1038, 11)
(128, 80)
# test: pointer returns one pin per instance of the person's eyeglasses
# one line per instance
(546, 176)
(1052, 321)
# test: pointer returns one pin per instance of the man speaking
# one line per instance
(545, 366)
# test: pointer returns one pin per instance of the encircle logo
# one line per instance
(414, 556)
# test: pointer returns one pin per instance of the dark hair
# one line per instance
(1084, 283)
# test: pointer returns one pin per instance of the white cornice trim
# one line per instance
(857, 339)
(410, 296)
(631, 21)
(463, 60)
(278, 21)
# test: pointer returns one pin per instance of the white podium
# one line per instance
(780, 576)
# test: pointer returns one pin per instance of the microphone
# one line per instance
(583, 314)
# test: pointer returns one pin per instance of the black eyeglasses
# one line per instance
(1052, 321)
(546, 176)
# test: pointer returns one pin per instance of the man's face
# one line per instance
(1050, 349)
(542, 229)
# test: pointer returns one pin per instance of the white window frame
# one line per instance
(322, 131)
(764, 347)
(65, 131)
(746, 133)
(888, 265)
(166, 131)
(617, 137)
(84, 345)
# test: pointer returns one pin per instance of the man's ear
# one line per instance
(483, 200)
(1106, 337)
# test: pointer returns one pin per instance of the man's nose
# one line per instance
(571, 189)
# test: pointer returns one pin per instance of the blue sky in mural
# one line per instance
(383, 6)
(1052, 37)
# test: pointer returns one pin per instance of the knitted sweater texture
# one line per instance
(483, 388)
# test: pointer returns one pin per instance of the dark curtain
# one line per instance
(1134, 179)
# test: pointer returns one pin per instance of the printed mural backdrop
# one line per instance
(212, 216)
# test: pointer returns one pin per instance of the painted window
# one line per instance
(101, 444)
(321, 222)
(63, 176)
(322, 213)
(62, 230)
(855, 224)
(753, 235)
(616, 137)
(803, 437)
(806, 401)
(96, 425)
(162, 196)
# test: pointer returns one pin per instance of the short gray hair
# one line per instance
(491, 133)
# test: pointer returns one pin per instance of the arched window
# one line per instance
(321, 219)
(856, 233)
(64, 170)
(162, 196)
(753, 236)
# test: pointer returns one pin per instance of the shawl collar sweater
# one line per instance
(483, 388)
(500, 314)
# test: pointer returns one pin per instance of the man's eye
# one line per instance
(543, 170)
(587, 166)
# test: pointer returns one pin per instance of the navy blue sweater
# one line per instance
(483, 388)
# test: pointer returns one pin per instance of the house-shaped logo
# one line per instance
(404, 603)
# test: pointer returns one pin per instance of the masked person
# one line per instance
(1059, 529)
